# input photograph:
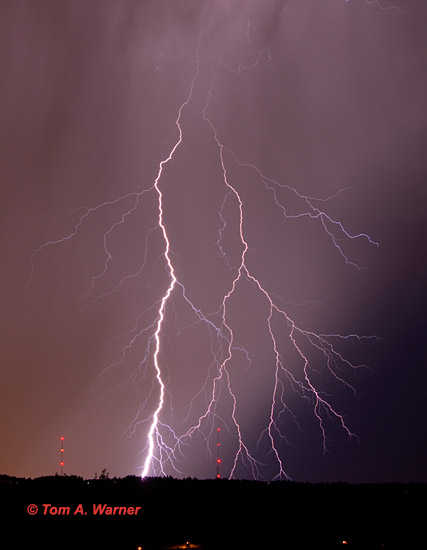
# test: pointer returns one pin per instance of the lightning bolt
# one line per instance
(165, 446)
(173, 281)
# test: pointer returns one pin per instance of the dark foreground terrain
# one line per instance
(157, 513)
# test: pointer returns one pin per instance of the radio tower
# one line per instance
(218, 460)
(62, 455)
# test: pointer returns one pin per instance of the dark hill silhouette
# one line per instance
(157, 513)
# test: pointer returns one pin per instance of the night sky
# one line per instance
(302, 153)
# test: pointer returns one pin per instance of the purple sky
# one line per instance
(301, 101)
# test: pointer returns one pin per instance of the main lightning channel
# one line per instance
(173, 280)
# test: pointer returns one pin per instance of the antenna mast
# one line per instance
(218, 460)
(62, 455)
